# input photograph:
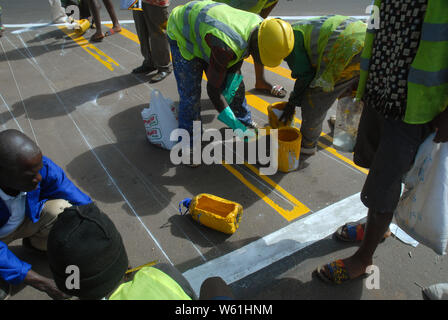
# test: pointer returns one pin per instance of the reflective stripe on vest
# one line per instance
(427, 93)
(322, 38)
(192, 31)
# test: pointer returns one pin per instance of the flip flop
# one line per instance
(111, 32)
(352, 232)
(278, 91)
(337, 273)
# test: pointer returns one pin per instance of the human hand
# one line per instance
(288, 113)
(440, 123)
(46, 285)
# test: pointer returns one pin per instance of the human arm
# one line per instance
(56, 185)
(220, 56)
(301, 70)
(268, 8)
(440, 124)
(44, 284)
(15, 271)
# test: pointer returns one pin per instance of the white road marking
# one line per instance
(282, 243)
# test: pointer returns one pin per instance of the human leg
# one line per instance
(156, 19)
(315, 105)
(388, 148)
(188, 76)
(95, 7)
(110, 9)
(143, 37)
(37, 233)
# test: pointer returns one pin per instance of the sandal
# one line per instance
(352, 232)
(111, 32)
(335, 273)
(276, 91)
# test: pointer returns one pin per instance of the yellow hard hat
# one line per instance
(275, 41)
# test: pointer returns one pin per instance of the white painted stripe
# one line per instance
(37, 25)
(263, 252)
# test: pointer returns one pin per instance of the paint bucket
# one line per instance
(82, 26)
(214, 212)
(275, 111)
(289, 141)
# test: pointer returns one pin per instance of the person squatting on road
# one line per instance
(404, 88)
(33, 191)
(85, 237)
(211, 36)
(325, 62)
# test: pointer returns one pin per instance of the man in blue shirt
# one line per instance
(33, 191)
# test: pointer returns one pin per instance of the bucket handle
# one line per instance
(186, 203)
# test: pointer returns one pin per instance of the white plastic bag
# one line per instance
(348, 115)
(58, 14)
(423, 208)
(160, 119)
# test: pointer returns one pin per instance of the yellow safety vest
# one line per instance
(190, 23)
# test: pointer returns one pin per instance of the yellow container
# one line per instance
(289, 141)
(82, 26)
(274, 121)
(214, 212)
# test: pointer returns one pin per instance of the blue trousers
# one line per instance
(188, 75)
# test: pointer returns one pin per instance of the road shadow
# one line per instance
(276, 281)
(46, 106)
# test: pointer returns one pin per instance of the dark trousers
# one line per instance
(151, 31)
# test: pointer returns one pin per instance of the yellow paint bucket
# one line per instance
(82, 26)
(289, 141)
(214, 212)
(274, 112)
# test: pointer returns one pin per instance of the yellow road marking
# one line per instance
(298, 210)
(261, 105)
(107, 61)
(278, 70)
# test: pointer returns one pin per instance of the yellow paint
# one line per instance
(107, 61)
(262, 106)
(289, 142)
(298, 210)
(150, 264)
(278, 70)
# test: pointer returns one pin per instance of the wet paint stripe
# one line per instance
(298, 210)
(262, 106)
(280, 244)
(99, 55)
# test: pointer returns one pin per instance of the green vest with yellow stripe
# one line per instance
(331, 43)
(150, 284)
(189, 24)
(427, 94)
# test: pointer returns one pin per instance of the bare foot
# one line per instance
(263, 85)
(97, 37)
